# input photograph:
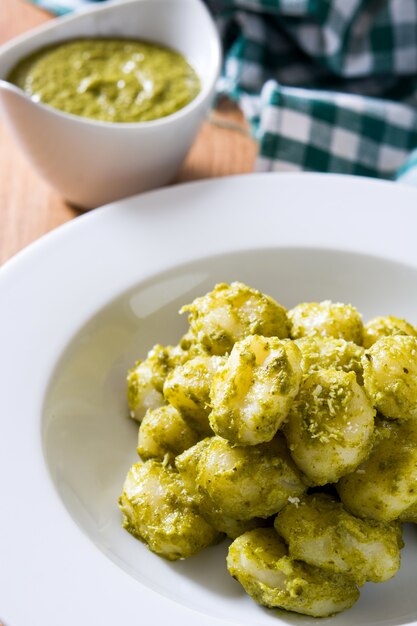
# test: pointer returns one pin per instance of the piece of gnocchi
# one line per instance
(164, 431)
(330, 353)
(330, 426)
(158, 510)
(320, 531)
(230, 313)
(390, 376)
(384, 486)
(259, 561)
(187, 387)
(245, 482)
(146, 378)
(326, 319)
(187, 465)
(252, 392)
(386, 326)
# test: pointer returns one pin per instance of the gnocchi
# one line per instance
(253, 391)
(293, 433)
(187, 464)
(330, 426)
(146, 378)
(187, 388)
(164, 431)
(158, 510)
(248, 481)
(319, 353)
(390, 376)
(259, 560)
(384, 486)
(231, 312)
(326, 319)
(387, 326)
(321, 532)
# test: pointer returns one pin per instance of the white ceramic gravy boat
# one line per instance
(89, 162)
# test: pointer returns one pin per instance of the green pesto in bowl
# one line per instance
(110, 80)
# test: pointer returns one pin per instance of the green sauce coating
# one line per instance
(145, 380)
(330, 426)
(164, 431)
(330, 353)
(387, 326)
(320, 531)
(159, 510)
(231, 312)
(253, 392)
(384, 487)
(248, 481)
(326, 319)
(390, 376)
(187, 387)
(410, 514)
(110, 80)
(259, 560)
(187, 465)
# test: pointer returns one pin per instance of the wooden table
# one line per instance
(29, 207)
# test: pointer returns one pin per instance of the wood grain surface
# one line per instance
(29, 207)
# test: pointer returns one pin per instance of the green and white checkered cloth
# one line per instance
(328, 85)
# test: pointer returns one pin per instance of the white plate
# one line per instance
(80, 305)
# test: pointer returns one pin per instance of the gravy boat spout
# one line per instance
(91, 162)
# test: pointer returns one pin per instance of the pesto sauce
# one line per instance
(111, 80)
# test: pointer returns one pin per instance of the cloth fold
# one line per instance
(327, 85)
